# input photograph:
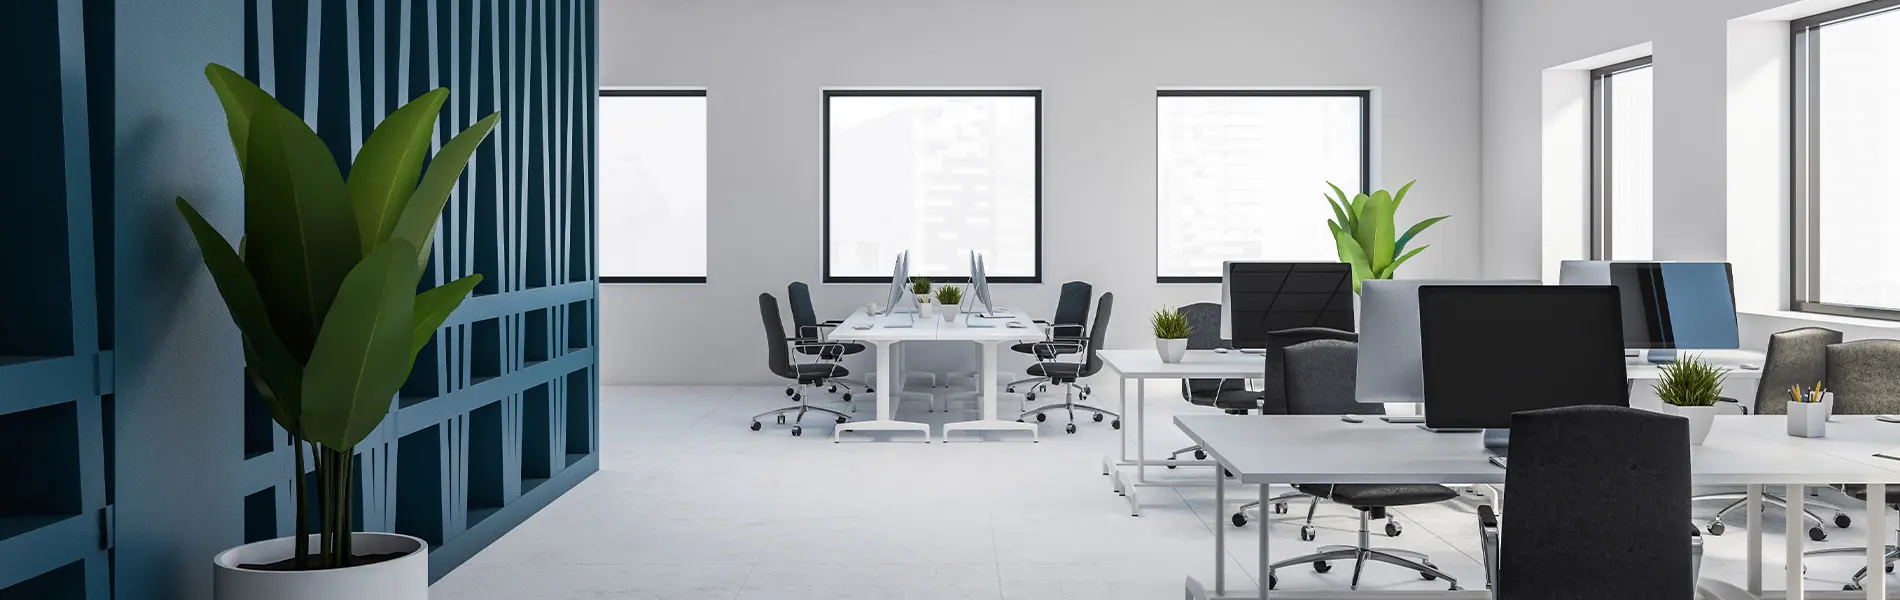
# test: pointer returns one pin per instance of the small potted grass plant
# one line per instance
(950, 302)
(920, 286)
(1171, 334)
(1691, 388)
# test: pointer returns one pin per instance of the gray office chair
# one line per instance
(1070, 374)
(1230, 395)
(1072, 315)
(1320, 377)
(1599, 506)
(1796, 356)
(779, 358)
(1865, 379)
(807, 327)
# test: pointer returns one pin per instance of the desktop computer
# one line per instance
(1258, 298)
(1562, 347)
(1667, 306)
(898, 292)
(981, 302)
(1389, 367)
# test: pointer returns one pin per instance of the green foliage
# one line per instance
(1170, 324)
(323, 284)
(950, 295)
(1691, 382)
(920, 285)
(1364, 231)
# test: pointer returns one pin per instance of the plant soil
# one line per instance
(315, 563)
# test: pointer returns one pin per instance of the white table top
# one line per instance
(1732, 360)
(1324, 449)
(1147, 363)
(1852, 437)
(934, 328)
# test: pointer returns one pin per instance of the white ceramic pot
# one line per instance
(1171, 350)
(1701, 419)
(926, 309)
(1807, 419)
(950, 313)
(404, 578)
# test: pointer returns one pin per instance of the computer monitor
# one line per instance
(980, 285)
(900, 283)
(1258, 298)
(1489, 351)
(1667, 305)
(1389, 365)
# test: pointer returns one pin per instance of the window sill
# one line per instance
(1826, 318)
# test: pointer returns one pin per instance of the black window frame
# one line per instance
(824, 175)
(1365, 150)
(1804, 206)
(606, 279)
(1602, 167)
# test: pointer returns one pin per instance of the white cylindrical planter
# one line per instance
(1171, 350)
(950, 312)
(1807, 419)
(925, 309)
(1701, 420)
(404, 578)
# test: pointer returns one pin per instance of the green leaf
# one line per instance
(1416, 228)
(1345, 202)
(1375, 230)
(417, 224)
(1339, 212)
(241, 100)
(362, 355)
(1399, 198)
(302, 238)
(384, 173)
(1350, 253)
(433, 308)
(1393, 269)
(276, 369)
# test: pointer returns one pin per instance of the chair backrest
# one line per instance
(1273, 384)
(1204, 334)
(1865, 377)
(778, 355)
(1321, 376)
(1599, 505)
(1796, 356)
(804, 318)
(1072, 308)
(1098, 334)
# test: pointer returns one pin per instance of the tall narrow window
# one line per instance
(939, 173)
(1847, 143)
(1621, 202)
(652, 186)
(1241, 175)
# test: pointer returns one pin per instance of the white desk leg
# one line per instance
(1266, 561)
(1797, 531)
(1141, 431)
(884, 421)
(987, 421)
(1121, 408)
(1754, 539)
(1876, 524)
(1220, 536)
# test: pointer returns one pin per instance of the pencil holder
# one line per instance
(1807, 419)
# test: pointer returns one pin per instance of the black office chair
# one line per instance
(1070, 374)
(1599, 507)
(779, 357)
(1271, 400)
(1321, 376)
(1231, 395)
(807, 327)
(1072, 314)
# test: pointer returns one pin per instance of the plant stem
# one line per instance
(302, 514)
(346, 503)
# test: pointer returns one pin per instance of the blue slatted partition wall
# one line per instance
(500, 414)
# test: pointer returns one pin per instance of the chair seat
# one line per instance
(819, 372)
(830, 351)
(1859, 492)
(1058, 371)
(1379, 496)
(1059, 347)
(1227, 399)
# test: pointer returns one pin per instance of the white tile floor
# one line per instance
(689, 504)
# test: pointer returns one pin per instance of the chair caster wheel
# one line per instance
(1171, 465)
(1307, 533)
(756, 426)
(1841, 520)
(1850, 588)
(1019, 420)
(798, 398)
(870, 390)
(847, 396)
(1228, 474)
(781, 419)
(832, 389)
(789, 391)
(1200, 455)
(1115, 424)
(1069, 429)
(1041, 417)
(1273, 581)
(1816, 534)
(1320, 566)
(1031, 396)
(1716, 528)
(1240, 519)
(1279, 508)
(1098, 417)
(797, 431)
(1889, 567)
(1428, 576)
(1393, 530)
(842, 420)
(1010, 389)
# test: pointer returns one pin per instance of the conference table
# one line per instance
(886, 332)
(1750, 451)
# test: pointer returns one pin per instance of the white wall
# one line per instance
(1098, 63)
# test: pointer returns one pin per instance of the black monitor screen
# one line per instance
(1677, 305)
(1489, 351)
(1268, 297)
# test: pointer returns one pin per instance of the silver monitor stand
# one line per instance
(1497, 443)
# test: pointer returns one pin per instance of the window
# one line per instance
(938, 173)
(1621, 202)
(1846, 143)
(652, 186)
(1241, 175)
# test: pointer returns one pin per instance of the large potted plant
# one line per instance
(1366, 235)
(1171, 334)
(1691, 388)
(323, 288)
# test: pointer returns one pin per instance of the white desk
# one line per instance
(1145, 364)
(934, 329)
(1263, 450)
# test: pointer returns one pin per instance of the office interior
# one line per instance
(981, 299)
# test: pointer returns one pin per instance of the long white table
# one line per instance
(1741, 450)
(1145, 364)
(872, 329)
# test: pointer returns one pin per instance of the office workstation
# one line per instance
(984, 299)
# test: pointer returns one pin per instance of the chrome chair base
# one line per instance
(801, 394)
(1070, 404)
(1363, 553)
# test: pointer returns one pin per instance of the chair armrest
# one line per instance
(1488, 531)
(835, 349)
(1695, 559)
(1737, 403)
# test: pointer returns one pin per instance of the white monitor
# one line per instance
(900, 282)
(980, 286)
(1390, 367)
